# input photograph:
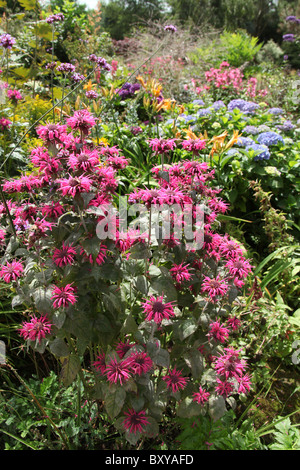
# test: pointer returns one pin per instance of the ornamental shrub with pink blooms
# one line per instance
(145, 311)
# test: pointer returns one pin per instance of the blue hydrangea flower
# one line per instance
(218, 105)
(204, 112)
(263, 128)
(244, 141)
(286, 126)
(198, 102)
(263, 149)
(253, 130)
(187, 117)
(246, 107)
(269, 138)
(275, 111)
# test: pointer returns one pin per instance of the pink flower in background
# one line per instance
(72, 186)
(229, 364)
(52, 133)
(215, 287)
(82, 120)
(141, 363)
(118, 371)
(234, 323)
(14, 95)
(86, 160)
(157, 310)
(5, 123)
(36, 329)
(218, 332)
(201, 397)
(175, 380)
(123, 348)
(193, 145)
(160, 146)
(136, 421)
(52, 210)
(64, 256)
(224, 388)
(180, 273)
(244, 384)
(100, 364)
(11, 271)
(64, 296)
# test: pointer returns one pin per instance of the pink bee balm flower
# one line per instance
(136, 421)
(100, 258)
(5, 123)
(180, 273)
(14, 95)
(175, 380)
(84, 161)
(161, 146)
(64, 256)
(218, 332)
(239, 267)
(100, 364)
(215, 287)
(82, 120)
(229, 364)
(36, 329)
(244, 384)
(72, 186)
(234, 323)
(64, 296)
(201, 397)
(224, 388)
(52, 133)
(141, 363)
(193, 145)
(123, 348)
(11, 271)
(118, 371)
(156, 309)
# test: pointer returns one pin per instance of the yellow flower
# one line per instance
(89, 86)
(233, 139)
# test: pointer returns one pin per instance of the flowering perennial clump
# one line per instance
(152, 306)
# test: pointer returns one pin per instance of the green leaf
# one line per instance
(42, 299)
(69, 370)
(28, 4)
(188, 408)
(217, 407)
(114, 401)
(59, 348)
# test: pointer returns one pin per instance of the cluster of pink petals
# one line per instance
(82, 120)
(193, 145)
(175, 380)
(180, 273)
(52, 133)
(157, 309)
(11, 271)
(36, 329)
(162, 146)
(201, 397)
(86, 160)
(64, 296)
(231, 376)
(218, 332)
(64, 256)
(135, 421)
(215, 287)
(5, 123)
